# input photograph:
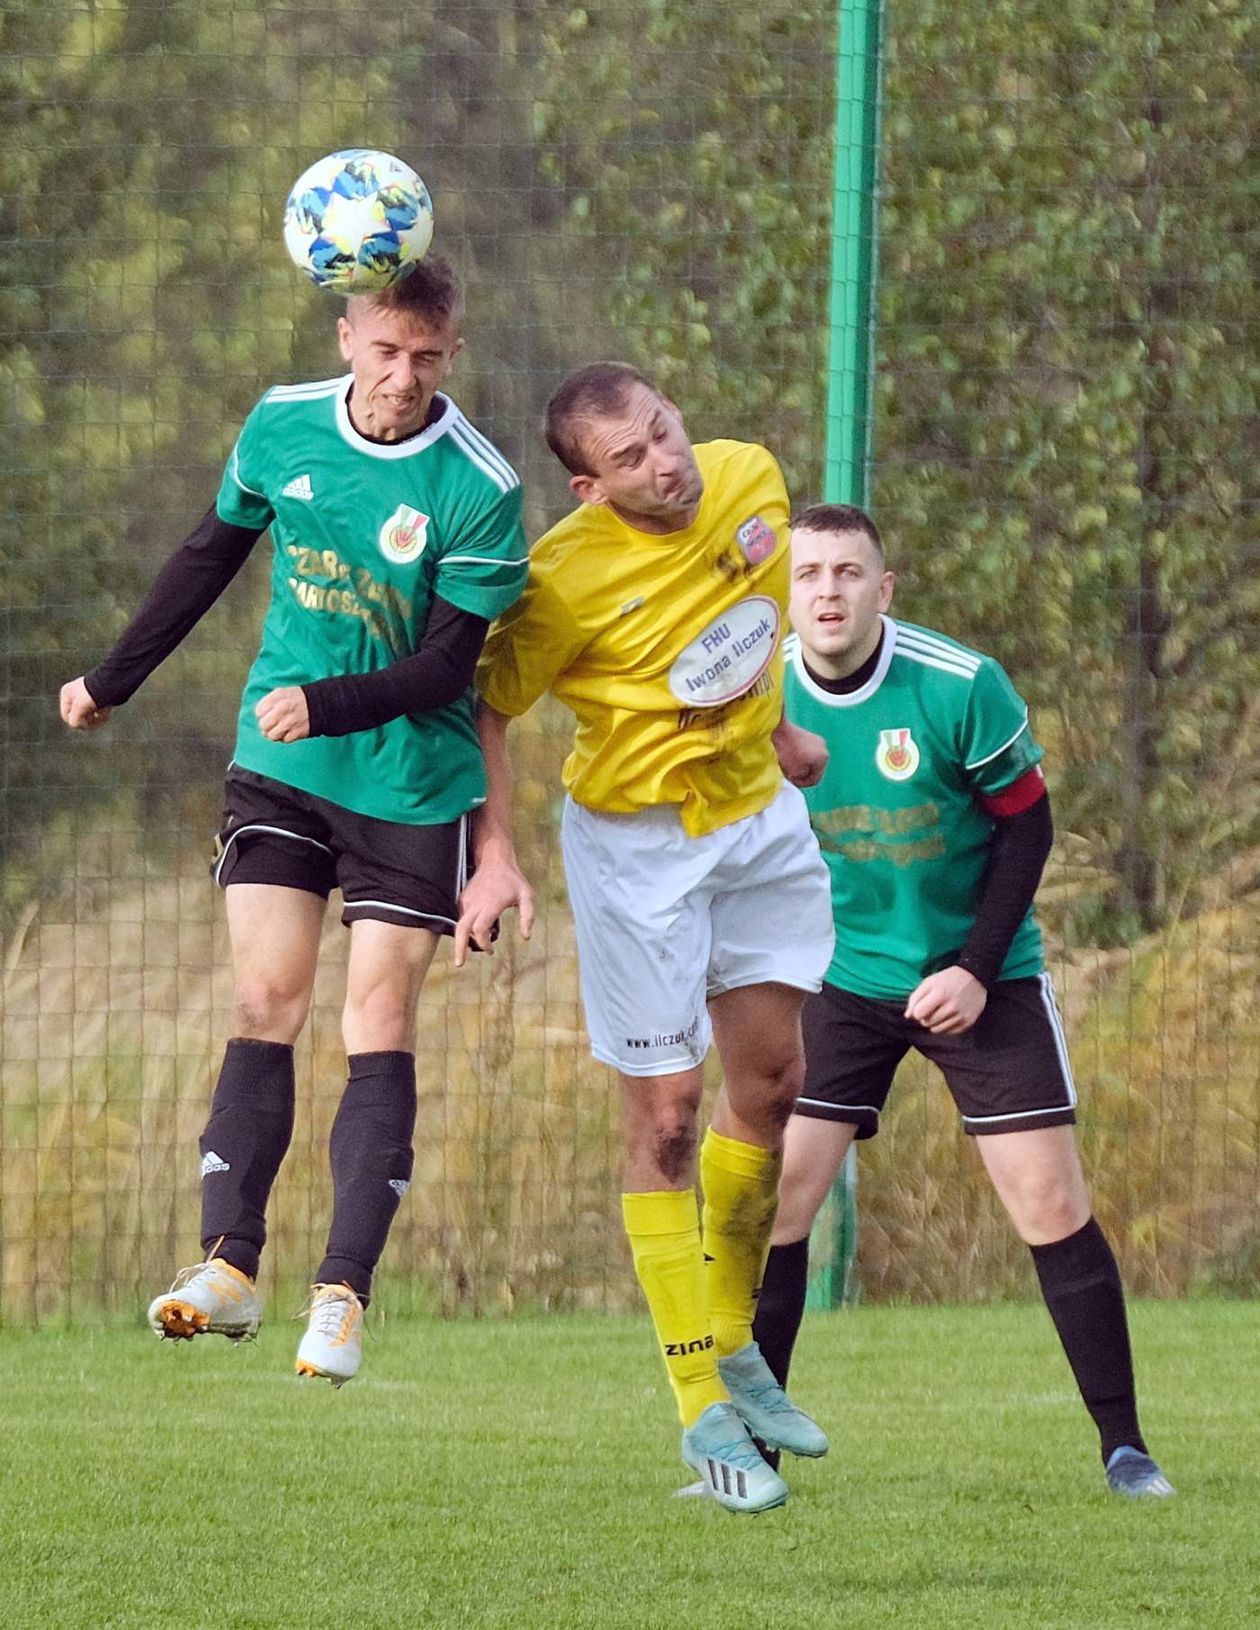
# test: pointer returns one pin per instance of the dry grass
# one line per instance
(115, 1003)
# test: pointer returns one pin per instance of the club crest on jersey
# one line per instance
(404, 535)
(756, 540)
(897, 755)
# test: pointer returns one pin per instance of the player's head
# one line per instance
(401, 343)
(840, 585)
(624, 444)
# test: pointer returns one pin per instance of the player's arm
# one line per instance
(480, 575)
(527, 650)
(1001, 762)
(497, 883)
(184, 590)
(802, 755)
(436, 675)
(950, 1002)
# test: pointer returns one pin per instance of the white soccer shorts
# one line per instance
(665, 921)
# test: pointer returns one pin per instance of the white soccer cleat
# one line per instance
(209, 1299)
(332, 1348)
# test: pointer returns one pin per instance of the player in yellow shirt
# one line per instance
(656, 612)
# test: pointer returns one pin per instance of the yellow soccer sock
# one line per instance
(741, 1195)
(664, 1233)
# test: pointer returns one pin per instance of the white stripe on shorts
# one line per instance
(276, 832)
(1055, 1020)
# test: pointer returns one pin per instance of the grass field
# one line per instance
(519, 1474)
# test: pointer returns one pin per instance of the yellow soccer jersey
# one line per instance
(666, 648)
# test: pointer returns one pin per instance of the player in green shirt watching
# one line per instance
(397, 538)
(933, 819)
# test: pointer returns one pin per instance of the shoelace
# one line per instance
(332, 1314)
(185, 1276)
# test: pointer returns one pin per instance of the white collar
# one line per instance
(864, 692)
(406, 448)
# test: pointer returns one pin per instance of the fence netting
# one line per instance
(1064, 467)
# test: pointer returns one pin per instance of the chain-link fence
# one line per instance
(1065, 454)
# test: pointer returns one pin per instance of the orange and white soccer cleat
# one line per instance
(208, 1299)
(332, 1348)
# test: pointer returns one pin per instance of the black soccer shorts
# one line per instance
(386, 871)
(1009, 1073)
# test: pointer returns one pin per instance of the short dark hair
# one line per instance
(595, 392)
(430, 289)
(837, 518)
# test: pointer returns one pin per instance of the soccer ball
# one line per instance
(356, 220)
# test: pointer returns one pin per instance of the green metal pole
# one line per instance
(854, 252)
(846, 478)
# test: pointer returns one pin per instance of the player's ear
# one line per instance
(887, 583)
(587, 490)
(455, 350)
(344, 332)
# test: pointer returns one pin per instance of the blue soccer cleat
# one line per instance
(719, 1449)
(764, 1407)
(1136, 1476)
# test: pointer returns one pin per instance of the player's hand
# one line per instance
(495, 887)
(802, 755)
(79, 709)
(283, 714)
(947, 1003)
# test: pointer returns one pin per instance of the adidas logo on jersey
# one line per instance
(210, 1162)
(400, 1185)
(299, 487)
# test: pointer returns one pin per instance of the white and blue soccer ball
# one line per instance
(356, 220)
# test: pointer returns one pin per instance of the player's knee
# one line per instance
(381, 1018)
(269, 1010)
(780, 1087)
(1048, 1210)
(1060, 1212)
(675, 1145)
(796, 1213)
(802, 1189)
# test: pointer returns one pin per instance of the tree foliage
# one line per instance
(1066, 399)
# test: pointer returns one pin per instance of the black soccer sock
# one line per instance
(246, 1138)
(371, 1165)
(780, 1305)
(1081, 1284)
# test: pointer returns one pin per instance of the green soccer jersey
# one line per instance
(365, 534)
(896, 816)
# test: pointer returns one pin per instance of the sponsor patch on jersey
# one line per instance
(404, 535)
(756, 540)
(897, 755)
(730, 656)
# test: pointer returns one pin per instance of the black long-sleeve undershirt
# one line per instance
(198, 572)
(438, 674)
(182, 592)
(1018, 851)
